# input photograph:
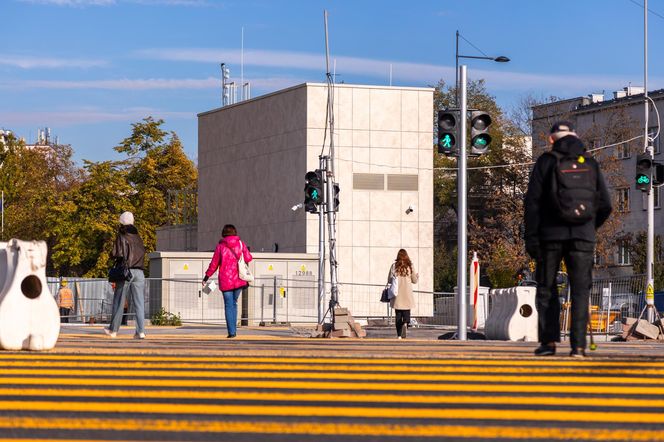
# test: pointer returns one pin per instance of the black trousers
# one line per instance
(402, 317)
(578, 256)
(64, 314)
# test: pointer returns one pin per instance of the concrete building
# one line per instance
(603, 122)
(253, 156)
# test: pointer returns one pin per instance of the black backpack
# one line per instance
(574, 190)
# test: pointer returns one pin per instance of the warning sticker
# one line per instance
(650, 291)
(303, 268)
(186, 266)
(270, 268)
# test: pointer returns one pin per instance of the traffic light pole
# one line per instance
(650, 251)
(462, 309)
(331, 230)
(321, 251)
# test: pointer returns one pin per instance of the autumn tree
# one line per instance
(156, 165)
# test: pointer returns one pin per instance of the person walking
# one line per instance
(225, 259)
(65, 298)
(566, 202)
(129, 245)
(402, 272)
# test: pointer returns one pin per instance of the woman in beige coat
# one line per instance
(404, 302)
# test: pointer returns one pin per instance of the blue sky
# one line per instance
(89, 68)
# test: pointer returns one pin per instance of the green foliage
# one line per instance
(162, 317)
(76, 209)
(638, 249)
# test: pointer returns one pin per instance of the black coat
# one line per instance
(129, 245)
(541, 219)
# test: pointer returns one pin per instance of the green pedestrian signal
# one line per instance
(313, 188)
(479, 132)
(447, 132)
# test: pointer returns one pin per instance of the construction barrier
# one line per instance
(513, 316)
(29, 315)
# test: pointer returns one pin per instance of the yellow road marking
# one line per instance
(567, 362)
(311, 367)
(329, 429)
(525, 385)
(337, 397)
(336, 375)
(336, 412)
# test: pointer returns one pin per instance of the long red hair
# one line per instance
(402, 265)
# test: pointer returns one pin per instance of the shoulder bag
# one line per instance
(243, 271)
(120, 271)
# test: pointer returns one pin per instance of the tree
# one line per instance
(156, 165)
(638, 247)
(84, 223)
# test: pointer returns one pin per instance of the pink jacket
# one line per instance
(225, 259)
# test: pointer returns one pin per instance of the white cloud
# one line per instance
(75, 3)
(419, 73)
(87, 115)
(84, 3)
(148, 84)
(32, 62)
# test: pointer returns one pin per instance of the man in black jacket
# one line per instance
(549, 239)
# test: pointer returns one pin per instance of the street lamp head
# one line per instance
(501, 59)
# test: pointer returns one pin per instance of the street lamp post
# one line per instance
(499, 59)
(462, 240)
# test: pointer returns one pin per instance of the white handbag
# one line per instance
(242, 268)
(393, 289)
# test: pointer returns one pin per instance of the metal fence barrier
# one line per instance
(277, 300)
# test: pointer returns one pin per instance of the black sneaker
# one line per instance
(545, 350)
(404, 330)
(578, 353)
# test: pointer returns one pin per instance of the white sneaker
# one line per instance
(139, 336)
(399, 337)
(110, 334)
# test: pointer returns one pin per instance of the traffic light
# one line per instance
(313, 190)
(447, 132)
(479, 132)
(335, 197)
(643, 172)
(658, 175)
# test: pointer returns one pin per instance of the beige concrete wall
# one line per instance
(269, 143)
(381, 130)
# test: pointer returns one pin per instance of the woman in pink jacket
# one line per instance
(225, 258)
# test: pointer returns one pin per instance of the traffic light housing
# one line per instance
(643, 172)
(335, 197)
(448, 121)
(658, 175)
(313, 190)
(479, 132)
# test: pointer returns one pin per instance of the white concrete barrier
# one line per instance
(29, 315)
(513, 316)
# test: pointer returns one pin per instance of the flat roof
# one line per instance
(298, 86)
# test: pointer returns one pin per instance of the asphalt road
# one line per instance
(192, 384)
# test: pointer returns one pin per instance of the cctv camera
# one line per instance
(410, 209)
(297, 206)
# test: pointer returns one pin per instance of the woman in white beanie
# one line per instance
(129, 246)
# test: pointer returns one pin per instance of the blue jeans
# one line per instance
(230, 309)
(137, 288)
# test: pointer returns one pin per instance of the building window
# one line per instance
(623, 151)
(657, 142)
(656, 196)
(623, 199)
(623, 253)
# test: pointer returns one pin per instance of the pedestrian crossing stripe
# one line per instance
(329, 429)
(391, 377)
